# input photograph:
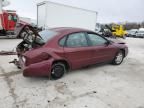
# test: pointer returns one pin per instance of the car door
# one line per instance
(77, 51)
(101, 50)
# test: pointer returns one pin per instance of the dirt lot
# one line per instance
(104, 86)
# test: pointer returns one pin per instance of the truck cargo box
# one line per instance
(51, 15)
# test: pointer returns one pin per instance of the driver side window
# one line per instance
(96, 39)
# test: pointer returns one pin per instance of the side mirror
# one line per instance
(107, 43)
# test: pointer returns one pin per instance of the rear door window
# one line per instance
(77, 40)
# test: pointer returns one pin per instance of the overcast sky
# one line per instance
(108, 10)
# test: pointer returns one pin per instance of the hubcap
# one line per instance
(58, 70)
(119, 58)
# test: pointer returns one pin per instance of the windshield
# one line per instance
(140, 31)
(12, 17)
(47, 35)
(132, 31)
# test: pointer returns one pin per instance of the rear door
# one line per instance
(101, 51)
(77, 50)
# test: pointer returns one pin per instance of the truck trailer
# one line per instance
(51, 15)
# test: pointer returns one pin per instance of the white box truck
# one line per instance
(51, 15)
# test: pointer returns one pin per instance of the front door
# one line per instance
(101, 52)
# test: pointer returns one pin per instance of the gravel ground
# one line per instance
(104, 86)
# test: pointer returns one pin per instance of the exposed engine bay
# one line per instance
(31, 39)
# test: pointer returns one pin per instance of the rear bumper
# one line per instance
(37, 69)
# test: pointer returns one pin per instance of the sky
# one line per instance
(108, 10)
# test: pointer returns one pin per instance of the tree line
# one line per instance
(133, 25)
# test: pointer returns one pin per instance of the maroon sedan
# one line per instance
(55, 51)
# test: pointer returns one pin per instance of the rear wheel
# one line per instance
(58, 70)
(118, 58)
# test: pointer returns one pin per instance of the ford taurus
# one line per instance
(55, 51)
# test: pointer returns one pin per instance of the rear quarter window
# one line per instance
(62, 41)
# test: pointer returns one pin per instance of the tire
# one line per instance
(118, 58)
(58, 70)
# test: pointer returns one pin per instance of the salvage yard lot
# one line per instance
(103, 86)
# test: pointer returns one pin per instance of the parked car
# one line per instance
(132, 33)
(55, 51)
(140, 34)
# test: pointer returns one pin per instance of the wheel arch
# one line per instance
(123, 51)
(62, 61)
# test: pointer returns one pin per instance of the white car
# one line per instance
(140, 34)
(132, 33)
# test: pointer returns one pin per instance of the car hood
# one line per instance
(116, 41)
(140, 33)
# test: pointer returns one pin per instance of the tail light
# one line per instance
(24, 59)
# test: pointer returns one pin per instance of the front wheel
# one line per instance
(118, 58)
(58, 70)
